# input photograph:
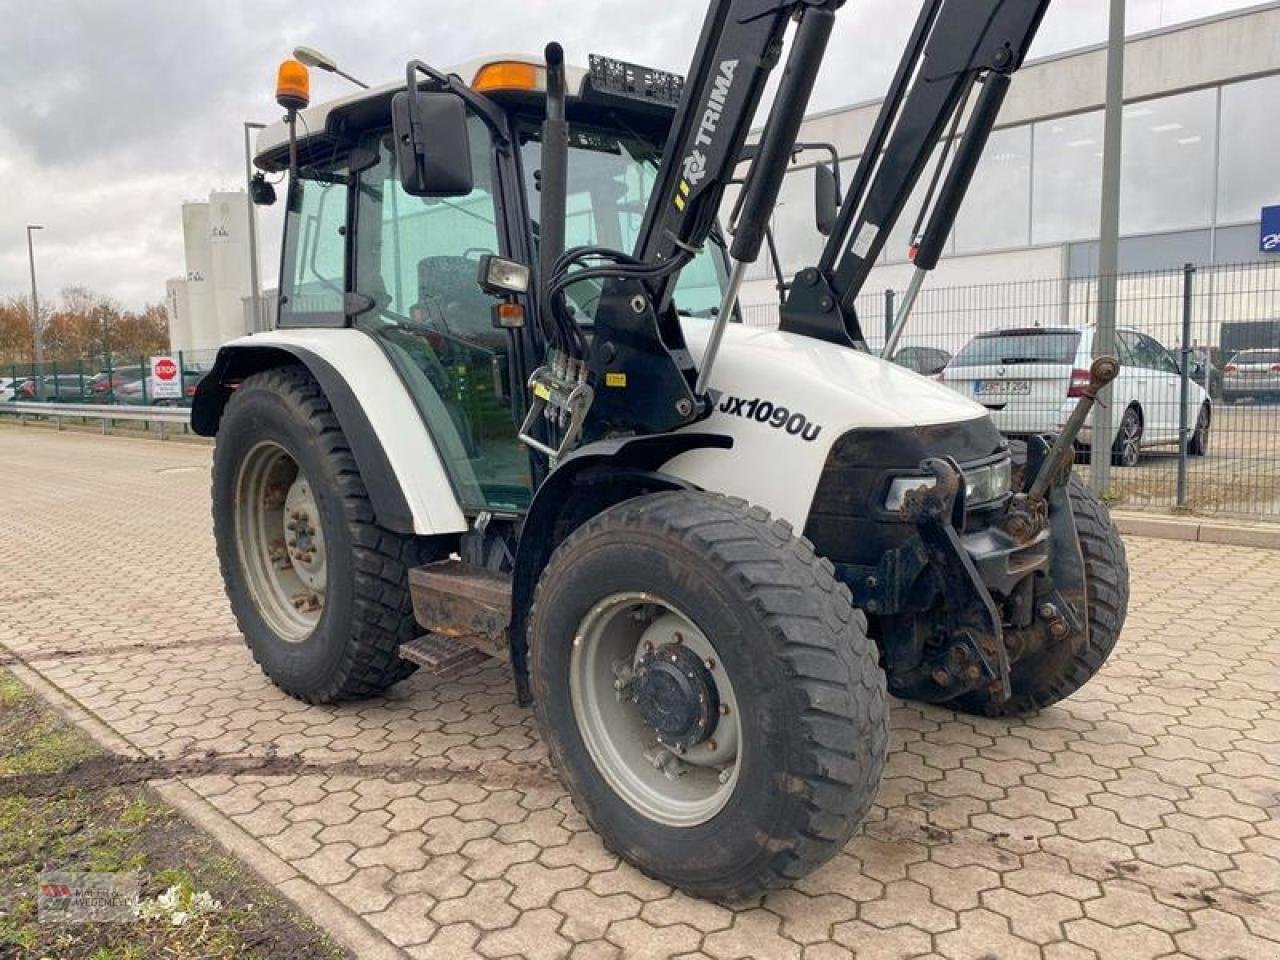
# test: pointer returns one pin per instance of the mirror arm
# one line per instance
(485, 108)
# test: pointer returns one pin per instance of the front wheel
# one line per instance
(1056, 671)
(708, 692)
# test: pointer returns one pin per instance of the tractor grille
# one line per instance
(848, 522)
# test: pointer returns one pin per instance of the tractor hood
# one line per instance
(853, 389)
(785, 399)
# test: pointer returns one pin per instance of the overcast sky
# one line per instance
(112, 112)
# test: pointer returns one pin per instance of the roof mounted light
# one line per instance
(510, 75)
(293, 85)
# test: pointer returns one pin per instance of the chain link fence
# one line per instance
(1196, 409)
(114, 379)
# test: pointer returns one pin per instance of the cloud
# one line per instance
(112, 112)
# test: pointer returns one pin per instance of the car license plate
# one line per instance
(1001, 388)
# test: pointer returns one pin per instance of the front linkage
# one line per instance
(1005, 591)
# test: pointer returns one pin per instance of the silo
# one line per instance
(195, 235)
(179, 310)
(229, 244)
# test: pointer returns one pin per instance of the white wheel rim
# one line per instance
(280, 541)
(678, 789)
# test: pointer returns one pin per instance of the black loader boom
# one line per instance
(955, 47)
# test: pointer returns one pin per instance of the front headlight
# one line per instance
(982, 484)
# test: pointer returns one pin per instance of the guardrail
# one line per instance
(108, 413)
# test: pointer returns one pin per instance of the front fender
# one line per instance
(586, 483)
(408, 485)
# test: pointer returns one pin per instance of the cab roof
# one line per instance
(328, 126)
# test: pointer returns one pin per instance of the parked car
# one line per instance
(1251, 373)
(9, 388)
(67, 388)
(1030, 378)
(103, 386)
(133, 393)
(929, 361)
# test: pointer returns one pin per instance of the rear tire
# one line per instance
(1127, 449)
(1055, 672)
(812, 728)
(343, 641)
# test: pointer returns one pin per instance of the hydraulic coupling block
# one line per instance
(561, 397)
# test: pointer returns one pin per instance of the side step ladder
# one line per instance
(465, 612)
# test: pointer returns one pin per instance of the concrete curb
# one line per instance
(326, 912)
(1238, 534)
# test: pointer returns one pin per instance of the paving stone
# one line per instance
(1135, 819)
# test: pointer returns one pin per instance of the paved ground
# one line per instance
(1137, 820)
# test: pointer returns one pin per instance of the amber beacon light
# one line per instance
(293, 85)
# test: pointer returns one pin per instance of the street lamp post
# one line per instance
(36, 333)
(314, 58)
(255, 282)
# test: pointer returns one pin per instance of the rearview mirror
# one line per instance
(826, 203)
(433, 150)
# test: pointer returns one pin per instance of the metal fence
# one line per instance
(105, 379)
(1197, 405)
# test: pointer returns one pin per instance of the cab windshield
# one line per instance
(611, 175)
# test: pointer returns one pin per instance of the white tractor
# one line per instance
(509, 410)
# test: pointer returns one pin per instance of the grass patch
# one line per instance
(82, 827)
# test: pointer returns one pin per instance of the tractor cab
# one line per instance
(360, 251)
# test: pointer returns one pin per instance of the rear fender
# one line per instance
(586, 483)
(408, 485)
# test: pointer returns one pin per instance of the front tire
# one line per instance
(320, 591)
(1199, 443)
(1055, 672)
(711, 604)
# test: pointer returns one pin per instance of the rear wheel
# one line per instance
(1127, 449)
(1198, 446)
(708, 692)
(1056, 671)
(319, 590)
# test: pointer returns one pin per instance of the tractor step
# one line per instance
(468, 605)
(441, 656)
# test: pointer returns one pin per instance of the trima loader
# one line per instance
(510, 410)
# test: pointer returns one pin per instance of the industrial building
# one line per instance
(207, 306)
(1200, 144)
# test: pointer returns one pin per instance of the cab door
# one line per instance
(416, 261)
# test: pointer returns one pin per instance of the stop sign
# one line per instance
(166, 369)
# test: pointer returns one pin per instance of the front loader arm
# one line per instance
(955, 46)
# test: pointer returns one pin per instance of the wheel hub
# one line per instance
(303, 538)
(676, 696)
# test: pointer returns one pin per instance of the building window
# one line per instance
(1167, 178)
(996, 213)
(1067, 189)
(794, 223)
(1247, 179)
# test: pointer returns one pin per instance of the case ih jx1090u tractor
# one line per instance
(510, 408)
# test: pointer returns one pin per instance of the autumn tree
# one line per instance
(80, 327)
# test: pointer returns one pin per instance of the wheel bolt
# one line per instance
(710, 663)
(724, 709)
(677, 637)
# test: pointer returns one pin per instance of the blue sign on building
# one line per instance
(1270, 239)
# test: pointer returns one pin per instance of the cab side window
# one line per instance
(313, 268)
(416, 264)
